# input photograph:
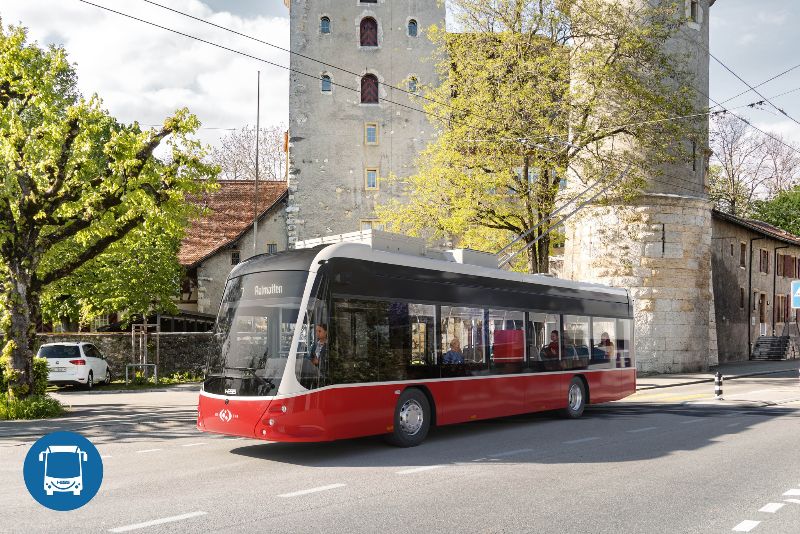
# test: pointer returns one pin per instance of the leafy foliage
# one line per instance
(82, 196)
(32, 407)
(523, 78)
(782, 211)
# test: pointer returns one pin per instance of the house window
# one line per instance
(763, 263)
(234, 257)
(272, 248)
(371, 133)
(325, 25)
(371, 179)
(741, 297)
(412, 28)
(779, 265)
(694, 10)
(326, 84)
(742, 254)
(731, 249)
(412, 85)
(369, 89)
(370, 224)
(369, 32)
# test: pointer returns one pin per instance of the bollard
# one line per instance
(718, 386)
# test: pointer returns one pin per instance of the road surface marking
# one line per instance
(645, 429)
(690, 421)
(582, 440)
(735, 424)
(312, 490)
(418, 469)
(105, 456)
(192, 444)
(795, 501)
(510, 453)
(792, 493)
(772, 507)
(146, 524)
(148, 450)
(746, 526)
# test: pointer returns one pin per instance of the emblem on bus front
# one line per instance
(225, 415)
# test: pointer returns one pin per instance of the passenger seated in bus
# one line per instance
(454, 355)
(319, 350)
(606, 346)
(551, 350)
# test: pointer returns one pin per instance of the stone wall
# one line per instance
(659, 248)
(178, 352)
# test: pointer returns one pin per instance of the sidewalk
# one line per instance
(728, 370)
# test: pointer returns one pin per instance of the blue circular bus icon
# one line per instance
(63, 471)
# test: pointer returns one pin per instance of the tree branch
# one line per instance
(61, 167)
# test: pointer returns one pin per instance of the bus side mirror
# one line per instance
(85, 457)
(41, 456)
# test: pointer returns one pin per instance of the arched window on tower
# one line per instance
(369, 32)
(412, 28)
(324, 25)
(325, 84)
(369, 89)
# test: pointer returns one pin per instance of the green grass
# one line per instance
(138, 382)
(33, 407)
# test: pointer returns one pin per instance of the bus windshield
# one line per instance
(63, 465)
(254, 332)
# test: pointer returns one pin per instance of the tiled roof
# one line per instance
(230, 215)
(760, 227)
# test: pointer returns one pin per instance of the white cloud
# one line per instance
(145, 73)
(774, 19)
(788, 129)
(747, 38)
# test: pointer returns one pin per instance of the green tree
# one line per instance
(782, 211)
(522, 78)
(73, 183)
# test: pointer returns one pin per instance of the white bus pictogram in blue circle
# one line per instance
(63, 471)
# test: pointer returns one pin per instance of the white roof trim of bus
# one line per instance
(363, 251)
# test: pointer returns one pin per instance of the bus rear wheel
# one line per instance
(412, 419)
(576, 399)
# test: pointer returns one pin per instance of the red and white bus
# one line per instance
(362, 338)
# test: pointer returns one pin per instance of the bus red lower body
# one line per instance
(349, 411)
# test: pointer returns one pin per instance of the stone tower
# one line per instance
(348, 129)
(659, 246)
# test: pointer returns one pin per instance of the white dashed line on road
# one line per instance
(510, 453)
(795, 501)
(148, 450)
(105, 456)
(418, 469)
(735, 424)
(154, 522)
(792, 493)
(645, 429)
(192, 444)
(771, 507)
(746, 526)
(312, 490)
(690, 421)
(582, 440)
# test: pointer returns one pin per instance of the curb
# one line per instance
(704, 380)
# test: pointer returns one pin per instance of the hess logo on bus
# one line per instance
(226, 415)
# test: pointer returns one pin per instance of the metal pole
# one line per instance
(255, 198)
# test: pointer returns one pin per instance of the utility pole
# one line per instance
(255, 196)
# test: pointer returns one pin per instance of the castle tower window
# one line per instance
(324, 25)
(235, 257)
(694, 10)
(371, 133)
(325, 84)
(371, 179)
(412, 84)
(369, 89)
(369, 32)
(412, 28)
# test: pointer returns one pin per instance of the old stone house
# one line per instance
(754, 264)
(224, 235)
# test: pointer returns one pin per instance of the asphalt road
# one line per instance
(668, 460)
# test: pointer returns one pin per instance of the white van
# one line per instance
(75, 363)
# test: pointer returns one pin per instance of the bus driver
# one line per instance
(319, 350)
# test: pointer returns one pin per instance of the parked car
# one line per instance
(75, 363)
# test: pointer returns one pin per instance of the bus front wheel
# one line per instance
(576, 399)
(412, 419)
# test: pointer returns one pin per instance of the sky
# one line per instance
(144, 73)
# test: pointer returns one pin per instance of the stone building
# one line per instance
(223, 236)
(754, 264)
(350, 125)
(659, 245)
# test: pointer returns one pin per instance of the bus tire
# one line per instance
(576, 399)
(412, 419)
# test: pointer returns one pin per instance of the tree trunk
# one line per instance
(19, 331)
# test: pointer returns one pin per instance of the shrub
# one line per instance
(33, 407)
(39, 376)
